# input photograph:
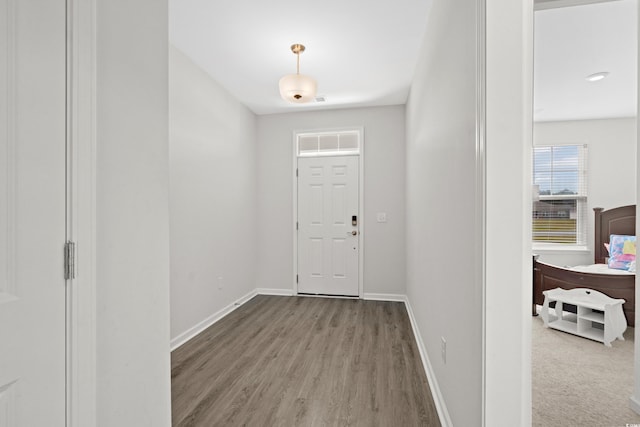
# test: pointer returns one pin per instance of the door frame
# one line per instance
(361, 226)
(81, 212)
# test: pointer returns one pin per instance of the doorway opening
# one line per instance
(575, 40)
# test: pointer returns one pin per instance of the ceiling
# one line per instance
(574, 42)
(361, 52)
(364, 53)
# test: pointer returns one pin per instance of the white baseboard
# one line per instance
(195, 330)
(634, 404)
(384, 297)
(438, 399)
(273, 291)
(366, 296)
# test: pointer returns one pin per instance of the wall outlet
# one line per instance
(220, 279)
(443, 350)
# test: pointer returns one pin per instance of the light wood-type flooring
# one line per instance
(302, 361)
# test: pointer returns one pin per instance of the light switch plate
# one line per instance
(382, 217)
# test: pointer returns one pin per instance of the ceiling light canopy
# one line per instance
(597, 76)
(297, 87)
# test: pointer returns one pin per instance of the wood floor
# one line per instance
(300, 361)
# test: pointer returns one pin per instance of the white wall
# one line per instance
(132, 215)
(611, 169)
(443, 280)
(384, 161)
(213, 195)
(448, 208)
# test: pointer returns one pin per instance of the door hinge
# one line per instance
(69, 260)
(296, 172)
(296, 278)
(297, 226)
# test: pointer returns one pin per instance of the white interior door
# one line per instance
(328, 225)
(32, 212)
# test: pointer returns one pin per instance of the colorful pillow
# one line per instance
(622, 252)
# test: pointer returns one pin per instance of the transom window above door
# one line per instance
(328, 144)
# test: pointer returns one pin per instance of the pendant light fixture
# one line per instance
(297, 87)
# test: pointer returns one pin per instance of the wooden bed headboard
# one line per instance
(620, 220)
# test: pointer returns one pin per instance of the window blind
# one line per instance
(560, 181)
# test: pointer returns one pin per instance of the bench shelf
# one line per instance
(598, 317)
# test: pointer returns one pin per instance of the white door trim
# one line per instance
(361, 225)
(81, 212)
(481, 189)
(634, 399)
(554, 4)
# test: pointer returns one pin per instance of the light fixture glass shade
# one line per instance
(298, 88)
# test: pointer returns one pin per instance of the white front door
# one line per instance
(32, 212)
(328, 225)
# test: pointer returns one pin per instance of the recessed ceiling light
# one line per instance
(597, 76)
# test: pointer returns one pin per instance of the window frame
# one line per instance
(581, 198)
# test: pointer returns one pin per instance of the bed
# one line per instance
(616, 284)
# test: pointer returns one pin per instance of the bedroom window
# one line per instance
(560, 195)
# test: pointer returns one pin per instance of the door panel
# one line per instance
(328, 251)
(338, 208)
(340, 252)
(32, 212)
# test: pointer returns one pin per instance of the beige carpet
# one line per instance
(579, 382)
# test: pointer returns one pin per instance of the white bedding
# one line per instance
(598, 269)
